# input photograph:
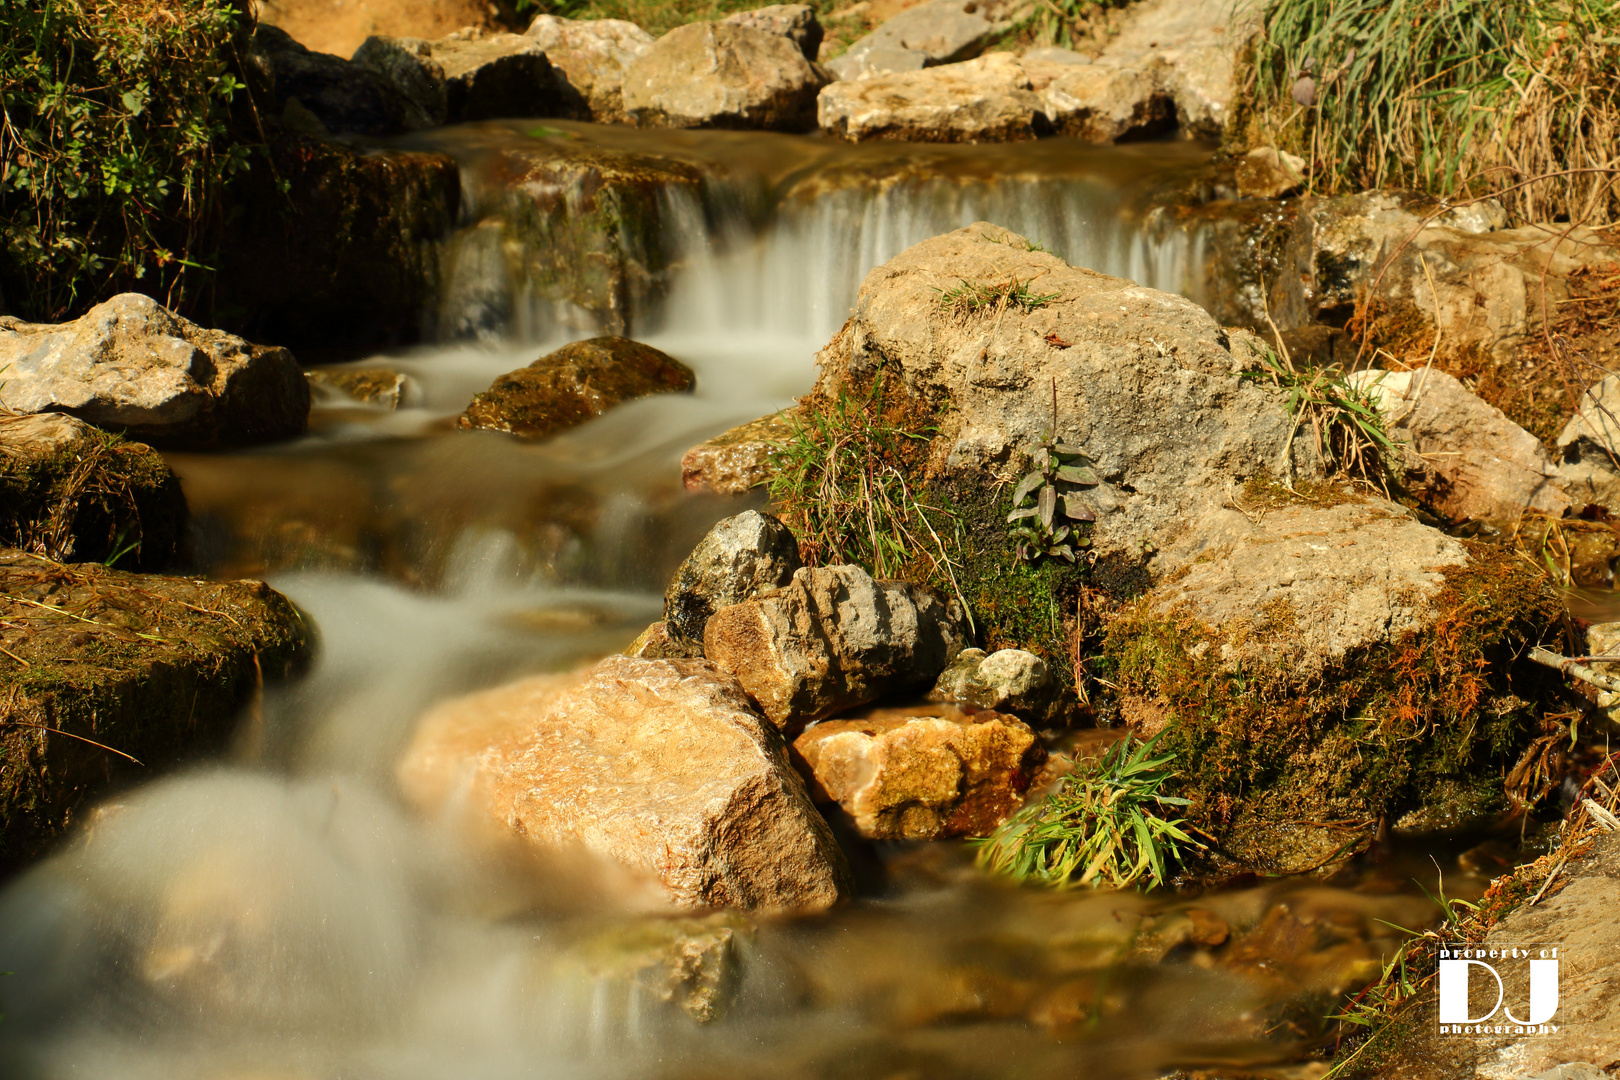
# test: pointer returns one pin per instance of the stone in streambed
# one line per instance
(574, 384)
(589, 58)
(933, 32)
(832, 639)
(1589, 445)
(465, 76)
(330, 94)
(983, 100)
(661, 767)
(131, 365)
(691, 963)
(719, 75)
(73, 493)
(901, 776)
(796, 22)
(1008, 680)
(369, 386)
(738, 460)
(737, 560)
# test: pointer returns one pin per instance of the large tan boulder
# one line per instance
(132, 365)
(589, 58)
(1473, 462)
(660, 767)
(1100, 103)
(831, 639)
(721, 75)
(906, 775)
(985, 100)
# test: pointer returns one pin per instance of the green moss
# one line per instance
(1289, 773)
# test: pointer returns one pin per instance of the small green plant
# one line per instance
(969, 299)
(1013, 240)
(840, 481)
(1349, 428)
(1104, 826)
(1059, 469)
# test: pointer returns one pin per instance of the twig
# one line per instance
(1576, 670)
(69, 734)
(93, 622)
(15, 657)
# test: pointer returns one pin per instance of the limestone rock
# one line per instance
(901, 776)
(658, 643)
(1478, 464)
(75, 494)
(131, 365)
(1589, 444)
(489, 76)
(796, 22)
(831, 639)
(725, 76)
(573, 384)
(157, 668)
(589, 58)
(740, 558)
(985, 100)
(1268, 173)
(1100, 103)
(1191, 51)
(735, 461)
(1008, 681)
(659, 766)
(933, 32)
(692, 963)
(345, 98)
(369, 386)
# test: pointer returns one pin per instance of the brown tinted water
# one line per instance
(276, 914)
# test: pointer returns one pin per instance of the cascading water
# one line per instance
(278, 915)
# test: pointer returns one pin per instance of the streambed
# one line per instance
(277, 914)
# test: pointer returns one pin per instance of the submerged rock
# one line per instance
(661, 767)
(73, 493)
(690, 963)
(103, 667)
(723, 75)
(574, 384)
(735, 461)
(831, 639)
(589, 58)
(738, 559)
(901, 776)
(1473, 463)
(370, 386)
(796, 22)
(132, 365)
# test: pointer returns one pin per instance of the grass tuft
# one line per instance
(969, 300)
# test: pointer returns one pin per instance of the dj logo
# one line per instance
(1475, 983)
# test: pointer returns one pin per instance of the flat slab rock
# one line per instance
(131, 365)
(923, 773)
(102, 667)
(661, 767)
(577, 382)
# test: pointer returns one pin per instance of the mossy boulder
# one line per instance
(73, 493)
(106, 677)
(579, 381)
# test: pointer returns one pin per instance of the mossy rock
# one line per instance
(74, 493)
(106, 677)
(579, 381)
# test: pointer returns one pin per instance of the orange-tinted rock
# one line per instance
(659, 766)
(904, 776)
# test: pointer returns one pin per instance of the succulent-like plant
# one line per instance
(1049, 514)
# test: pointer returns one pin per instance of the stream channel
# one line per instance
(278, 914)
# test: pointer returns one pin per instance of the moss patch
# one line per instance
(101, 667)
(1290, 775)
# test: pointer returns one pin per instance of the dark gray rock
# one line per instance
(740, 557)
(345, 97)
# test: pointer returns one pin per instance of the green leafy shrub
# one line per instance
(1104, 826)
(1452, 97)
(116, 140)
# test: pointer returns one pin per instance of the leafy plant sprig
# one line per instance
(1103, 826)
(1041, 494)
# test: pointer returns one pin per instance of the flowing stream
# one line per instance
(277, 914)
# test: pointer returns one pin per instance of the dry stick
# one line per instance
(15, 657)
(69, 734)
(1564, 664)
(81, 618)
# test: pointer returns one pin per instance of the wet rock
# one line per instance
(1100, 103)
(912, 777)
(73, 493)
(690, 963)
(1268, 173)
(738, 559)
(933, 32)
(1589, 446)
(345, 98)
(589, 58)
(370, 386)
(103, 667)
(1474, 463)
(831, 639)
(735, 461)
(985, 100)
(577, 382)
(131, 365)
(661, 767)
(796, 22)
(658, 643)
(725, 76)
(1009, 681)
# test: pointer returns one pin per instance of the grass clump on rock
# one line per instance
(1452, 97)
